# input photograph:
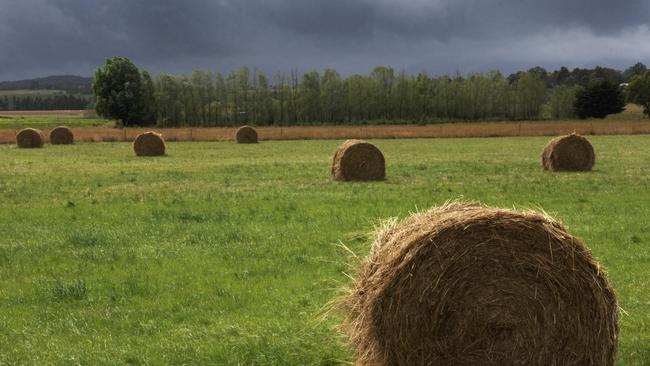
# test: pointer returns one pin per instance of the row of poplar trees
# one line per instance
(383, 96)
(245, 96)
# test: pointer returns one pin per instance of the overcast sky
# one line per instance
(45, 37)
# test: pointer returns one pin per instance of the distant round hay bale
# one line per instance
(246, 135)
(465, 284)
(358, 160)
(149, 144)
(61, 136)
(30, 138)
(569, 153)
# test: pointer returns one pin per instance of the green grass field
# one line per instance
(49, 122)
(228, 254)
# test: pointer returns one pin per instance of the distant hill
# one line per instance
(69, 83)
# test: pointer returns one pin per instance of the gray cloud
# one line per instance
(40, 37)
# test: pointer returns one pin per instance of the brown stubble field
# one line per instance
(442, 130)
(88, 128)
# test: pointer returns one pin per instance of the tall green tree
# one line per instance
(634, 70)
(310, 97)
(119, 93)
(383, 79)
(332, 96)
(168, 104)
(147, 93)
(638, 91)
(599, 99)
(531, 92)
(561, 101)
(264, 106)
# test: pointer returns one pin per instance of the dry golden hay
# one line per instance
(358, 160)
(466, 284)
(246, 135)
(568, 153)
(61, 136)
(30, 138)
(149, 144)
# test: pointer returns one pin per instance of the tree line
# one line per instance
(44, 102)
(246, 96)
(382, 96)
(585, 77)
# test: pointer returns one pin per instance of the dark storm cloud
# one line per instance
(319, 19)
(42, 32)
(74, 36)
(443, 19)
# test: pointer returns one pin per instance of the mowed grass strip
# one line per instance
(221, 253)
(10, 121)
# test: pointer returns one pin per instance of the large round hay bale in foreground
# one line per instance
(61, 136)
(569, 153)
(30, 138)
(358, 160)
(149, 144)
(246, 135)
(465, 284)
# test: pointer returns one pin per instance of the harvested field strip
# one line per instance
(445, 130)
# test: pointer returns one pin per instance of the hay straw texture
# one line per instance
(246, 135)
(358, 160)
(30, 138)
(61, 136)
(465, 284)
(569, 153)
(149, 144)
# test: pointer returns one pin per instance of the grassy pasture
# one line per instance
(50, 119)
(228, 254)
(8, 120)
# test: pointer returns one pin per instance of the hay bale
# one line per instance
(465, 284)
(246, 135)
(358, 160)
(569, 153)
(149, 144)
(30, 138)
(61, 136)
